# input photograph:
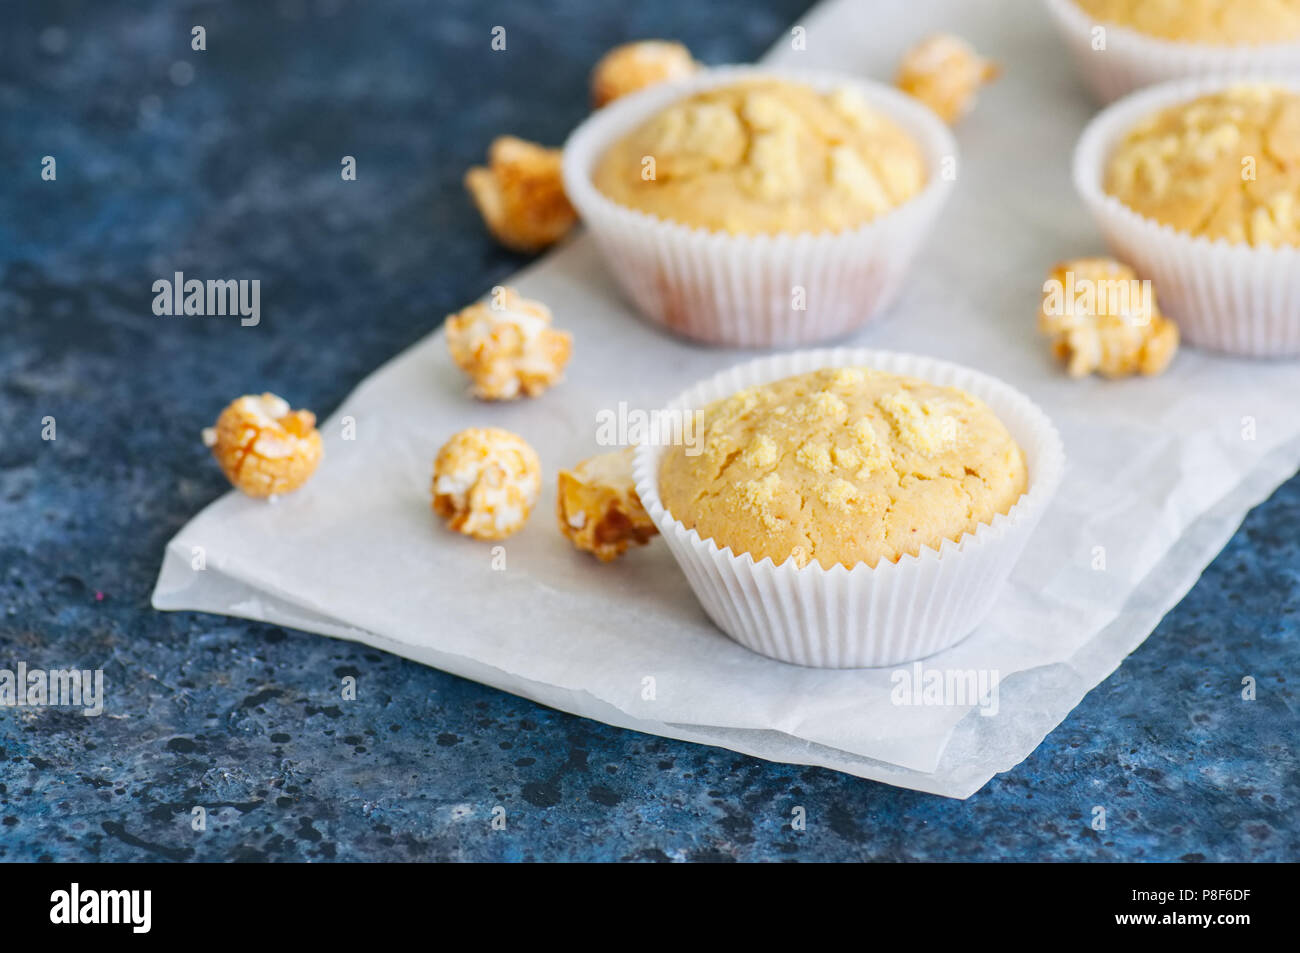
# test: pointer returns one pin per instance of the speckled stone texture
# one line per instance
(233, 171)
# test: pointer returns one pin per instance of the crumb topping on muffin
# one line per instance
(764, 157)
(1223, 166)
(847, 465)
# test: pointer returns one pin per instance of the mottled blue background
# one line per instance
(228, 165)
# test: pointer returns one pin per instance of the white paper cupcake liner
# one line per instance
(1233, 298)
(1132, 60)
(739, 290)
(861, 617)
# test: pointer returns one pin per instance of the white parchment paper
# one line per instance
(1160, 474)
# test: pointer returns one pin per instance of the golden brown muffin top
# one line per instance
(1209, 22)
(1223, 166)
(765, 157)
(847, 466)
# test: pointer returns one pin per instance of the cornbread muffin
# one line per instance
(764, 157)
(507, 346)
(1223, 166)
(263, 447)
(598, 507)
(1101, 318)
(944, 72)
(485, 482)
(520, 194)
(634, 66)
(846, 466)
(1209, 22)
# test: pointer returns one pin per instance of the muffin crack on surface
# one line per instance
(843, 466)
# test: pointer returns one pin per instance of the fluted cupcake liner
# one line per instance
(1131, 60)
(739, 290)
(864, 616)
(1227, 297)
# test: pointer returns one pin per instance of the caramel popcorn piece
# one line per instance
(945, 73)
(485, 482)
(263, 447)
(521, 194)
(598, 508)
(634, 66)
(507, 346)
(1101, 318)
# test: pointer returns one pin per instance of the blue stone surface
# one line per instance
(225, 163)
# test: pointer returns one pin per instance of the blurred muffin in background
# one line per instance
(765, 157)
(1212, 22)
(1225, 165)
(1123, 45)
